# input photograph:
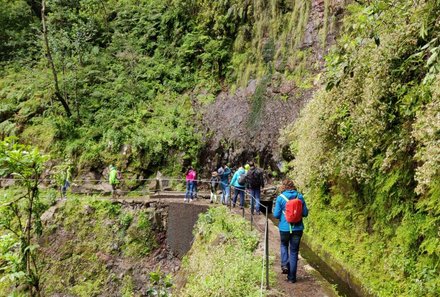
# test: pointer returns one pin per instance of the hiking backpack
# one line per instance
(293, 210)
(255, 178)
(242, 179)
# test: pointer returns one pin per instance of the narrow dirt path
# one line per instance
(309, 281)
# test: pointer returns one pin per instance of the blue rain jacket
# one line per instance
(280, 206)
(234, 181)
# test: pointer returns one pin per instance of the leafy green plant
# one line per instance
(364, 149)
(222, 260)
(160, 284)
(20, 214)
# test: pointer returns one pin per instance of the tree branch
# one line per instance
(50, 60)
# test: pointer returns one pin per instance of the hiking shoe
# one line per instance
(191, 200)
(291, 281)
(285, 269)
(210, 202)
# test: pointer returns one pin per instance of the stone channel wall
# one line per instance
(181, 221)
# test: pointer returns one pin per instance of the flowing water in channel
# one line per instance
(316, 262)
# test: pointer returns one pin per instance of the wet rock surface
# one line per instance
(237, 130)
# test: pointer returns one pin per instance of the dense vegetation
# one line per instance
(20, 217)
(82, 242)
(131, 72)
(367, 148)
(222, 260)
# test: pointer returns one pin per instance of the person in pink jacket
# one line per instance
(190, 184)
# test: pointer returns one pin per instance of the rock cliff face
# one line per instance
(246, 123)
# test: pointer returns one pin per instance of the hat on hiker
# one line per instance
(214, 173)
(220, 171)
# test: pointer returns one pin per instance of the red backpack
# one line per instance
(293, 210)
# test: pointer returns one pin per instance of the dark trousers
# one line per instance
(64, 188)
(239, 191)
(255, 199)
(289, 251)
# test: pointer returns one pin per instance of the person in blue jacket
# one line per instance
(239, 189)
(224, 171)
(290, 234)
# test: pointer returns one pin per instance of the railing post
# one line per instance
(267, 251)
(230, 198)
(252, 215)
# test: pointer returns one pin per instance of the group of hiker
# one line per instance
(246, 178)
(290, 206)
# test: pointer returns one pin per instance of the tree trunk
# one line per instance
(34, 287)
(28, 243)
(50, 60)
(35, 7)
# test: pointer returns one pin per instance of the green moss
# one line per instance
(326, 22)
(127, 287)
(258, 100)
(94, 231)
(139, 239)
(39, 134)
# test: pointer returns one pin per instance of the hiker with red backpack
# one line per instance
(290, 208)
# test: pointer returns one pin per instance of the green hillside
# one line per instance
(124, 82)
(133, 74)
